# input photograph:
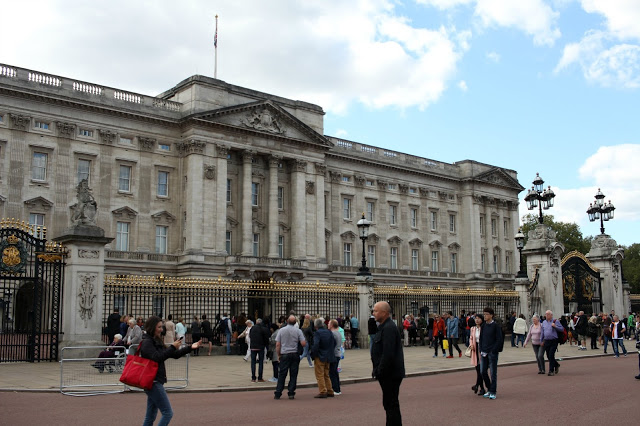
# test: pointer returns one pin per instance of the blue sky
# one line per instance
(547, 86)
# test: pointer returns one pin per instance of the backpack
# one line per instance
(562, 336)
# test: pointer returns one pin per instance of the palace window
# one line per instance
(414, 260)
(84, 170)
(256, 245)
(163, 184)
(452, 223)
(434, 220)
(161, 239)
(371, 256)
(281, 246)
(346, 208)
(347, 254)
(122, 236)
(124, 179)
(393, 258)
(370, 209)
(255, 187)
(39, 166)
(280, 198)
(227, 243)
(414, 218)
(393, 215)
(434, 261)
(454, 262)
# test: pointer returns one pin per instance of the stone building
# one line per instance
(210, 179)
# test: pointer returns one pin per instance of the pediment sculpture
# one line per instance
(263, 120)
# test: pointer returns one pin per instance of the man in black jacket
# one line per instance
(373, 329)
(113, 324)
(388, 362)
(259, 336)
(490, 344)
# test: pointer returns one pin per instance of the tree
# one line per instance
(631, 267)
(568, 234)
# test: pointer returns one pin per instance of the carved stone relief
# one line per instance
(107, 136)
(65, 129)
(263, 120)
(209, 172)
(191, 146)
(311, 187)
(86, 297)
(88, 254)
(146, 144)
(20, 122)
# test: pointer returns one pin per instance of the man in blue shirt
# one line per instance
(549, 340)
(355, 326)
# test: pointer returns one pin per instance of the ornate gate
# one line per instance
(31, 278)
(581, 284)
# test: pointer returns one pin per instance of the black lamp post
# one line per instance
(363, 229)
(539, 197)
(520, 245)
(600, 210)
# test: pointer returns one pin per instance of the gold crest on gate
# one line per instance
(11, 256)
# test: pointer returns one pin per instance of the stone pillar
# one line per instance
(221, 201)
(321, 255)
(544, 255)
(521, 285)
(273, 212)
(607, 257)
(193, 164)
(82, 305)
(366, 300)
(298, 211)
(247, 211)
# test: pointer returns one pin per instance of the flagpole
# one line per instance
(215, 44)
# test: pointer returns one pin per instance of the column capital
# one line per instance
(248, 156)
(20, 122)
(321, 169)
(65, 129)
(190, 147)
(274, 160)
(222, 151)
(107, 136)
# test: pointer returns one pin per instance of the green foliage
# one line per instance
(631, 266)
(568, 234)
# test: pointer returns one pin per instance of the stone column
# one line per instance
(298, 210)
(521, 285)
(82, 305)
(607, 257)
(273, 212)
(221, 201)
(544, 254)
(321, 255)
(247, 211)
(366, 299)
(193, 164)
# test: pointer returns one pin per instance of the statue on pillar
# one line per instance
(85, 209)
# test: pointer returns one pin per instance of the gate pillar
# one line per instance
(544, 254)
(521, 285)
(83, 285)
(366, 301)
(607, 257)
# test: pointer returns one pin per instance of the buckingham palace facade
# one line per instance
(211, 180)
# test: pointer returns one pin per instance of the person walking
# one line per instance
(227, 329)
(387, 357)
(535, 337)
(323, 355)
(152, 347)
(259, 340)
(372, 328)
(520, 329)
(438, 334)
(287, 341)
(334, 375)
(617, 336)
(207, 331)
(453, 327)
(606, 331)
(307, 331)
(170, 331)
(550, 329)
(355, 329)
(113, 324)
(196, 333)
(491, 342)
(474, 344)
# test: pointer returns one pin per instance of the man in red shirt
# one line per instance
(439, 329)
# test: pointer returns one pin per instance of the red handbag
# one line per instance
(139, 372)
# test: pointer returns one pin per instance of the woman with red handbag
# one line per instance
(152, 347)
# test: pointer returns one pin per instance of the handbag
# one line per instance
(467, 352)
(139, 372)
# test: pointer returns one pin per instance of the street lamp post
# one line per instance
(539, 197)
(520, 245)
(600, 210)
(363, 229)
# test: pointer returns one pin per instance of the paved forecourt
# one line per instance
(231, 373)
(604, 385)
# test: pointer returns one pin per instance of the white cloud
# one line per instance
(622, 16)
(340, 133)
(613, 169)
(534, 17)
(493, 56)
(331, 52)
(462, 85)
(614, 66)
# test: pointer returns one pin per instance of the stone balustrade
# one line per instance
(21, 77)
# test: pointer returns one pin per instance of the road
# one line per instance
(587, 391)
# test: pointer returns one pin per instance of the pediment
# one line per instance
(374, 238)
(497, 176)
(435, 244)
(39, 202)
(454, 246)
(258, 225)
(163, 216)
(266, 118)
(395, 240)
(416, 242)
(285, 227)
(125, 212)
(232, 222)
(348, 235)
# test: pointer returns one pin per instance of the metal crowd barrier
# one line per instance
(83, 373)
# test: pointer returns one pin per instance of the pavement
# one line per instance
(589, 390)
(229, 373)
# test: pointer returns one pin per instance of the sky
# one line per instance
(536, 86)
